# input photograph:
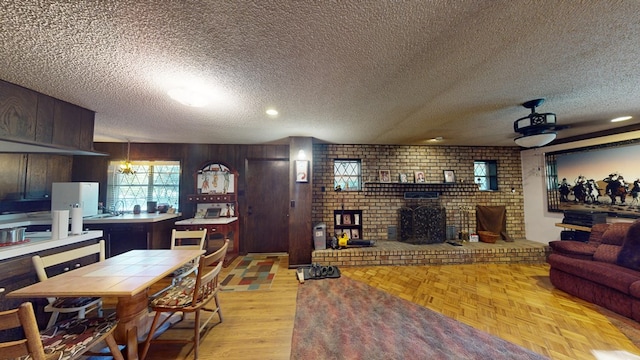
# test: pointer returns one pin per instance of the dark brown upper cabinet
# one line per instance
(18, 111)
(28, 115)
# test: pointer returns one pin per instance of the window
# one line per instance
(152, 181)
(485, 173)
(347, 174)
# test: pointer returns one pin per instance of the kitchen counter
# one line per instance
(213, 221)
(129, 218)
(44, 218)
(120, 232)
(39, 241)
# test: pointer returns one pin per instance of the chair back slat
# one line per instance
(9, 319)
(177, 236)
(41, 263)
(218, 255)
(206, 282)
(23, 317)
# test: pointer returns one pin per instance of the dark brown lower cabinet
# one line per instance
(122, 237)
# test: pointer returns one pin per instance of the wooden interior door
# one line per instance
(267, 219)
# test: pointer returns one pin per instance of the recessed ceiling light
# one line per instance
(189, 97)
(621, 118)
(272, 112)
(436, 139)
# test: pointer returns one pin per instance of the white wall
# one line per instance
(540, 223)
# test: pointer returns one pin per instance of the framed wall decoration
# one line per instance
(302, 171)
(449, 176)
(215, 178)
(403, 178)
(418, 176)
(598, 179)
(385, 176)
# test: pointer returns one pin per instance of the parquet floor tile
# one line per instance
(514, 302)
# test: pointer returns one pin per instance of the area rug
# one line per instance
(629, 327)
(254, 272)
(347, 319)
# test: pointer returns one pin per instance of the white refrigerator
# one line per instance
(66, 194)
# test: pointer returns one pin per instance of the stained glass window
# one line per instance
(485, 173)
(151, 181)
(347, 174)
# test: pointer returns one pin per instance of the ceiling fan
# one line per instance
(536, 129)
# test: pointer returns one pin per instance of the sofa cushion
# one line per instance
(603, 273)
(595, 237)
(630, 253)
(575, 249)
(634, 289)
(607, 253)
(615, 233)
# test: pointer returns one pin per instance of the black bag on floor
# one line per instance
(317, 271)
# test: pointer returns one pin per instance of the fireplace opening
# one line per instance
(423, 225)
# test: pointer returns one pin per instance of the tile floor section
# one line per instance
(398, 253)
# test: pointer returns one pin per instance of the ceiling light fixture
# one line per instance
(535, 140)
(189, 97)
(622, 118)
(537, 129)
(126, 167)
(436, 139)
(272, 112)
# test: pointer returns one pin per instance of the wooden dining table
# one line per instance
(126, 277)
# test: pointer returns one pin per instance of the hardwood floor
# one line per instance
(514, 302)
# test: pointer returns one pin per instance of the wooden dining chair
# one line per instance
(69, 339)
(187, 240)
(80, 305)
(191, 295)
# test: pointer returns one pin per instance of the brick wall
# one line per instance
(380, 209)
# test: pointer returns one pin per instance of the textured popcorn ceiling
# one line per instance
(362, 72)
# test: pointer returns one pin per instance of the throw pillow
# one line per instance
(615, 233)
(607, 253)
(629, 256)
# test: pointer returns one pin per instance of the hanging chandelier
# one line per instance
(126, 167)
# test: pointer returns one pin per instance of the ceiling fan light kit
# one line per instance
(536, 129)
(535, 140)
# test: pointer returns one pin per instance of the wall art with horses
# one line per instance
(603, 178)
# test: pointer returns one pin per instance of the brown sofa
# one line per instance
(604, 270)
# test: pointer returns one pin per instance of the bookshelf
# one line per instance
(348, 221)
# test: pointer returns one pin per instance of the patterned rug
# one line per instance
(347, 319)
(629, 327)
(253, 272)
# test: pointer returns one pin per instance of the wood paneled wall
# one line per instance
(300, 226)
(191, 156)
